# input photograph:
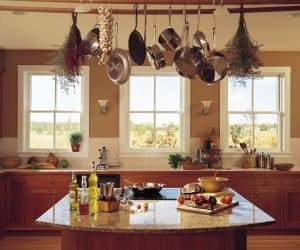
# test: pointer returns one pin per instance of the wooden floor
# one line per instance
(268, 242)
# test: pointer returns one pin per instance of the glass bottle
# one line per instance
(73, 194)
(93, 191)
(84, 197)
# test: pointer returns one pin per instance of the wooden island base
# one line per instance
(213, 240)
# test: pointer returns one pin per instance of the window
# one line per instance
(154, 112)
(257, 111)
(47, 113)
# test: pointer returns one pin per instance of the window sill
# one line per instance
(59, 154)
(230, 154)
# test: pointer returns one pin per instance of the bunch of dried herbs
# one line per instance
(242, 50)
(70, 57)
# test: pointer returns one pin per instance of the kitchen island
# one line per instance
(161, 227)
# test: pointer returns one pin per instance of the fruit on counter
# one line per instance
(180, 199)
(33, 159)
(64, 163)
(51, 158)
(200, 200)
(226, 199)
(34, 165)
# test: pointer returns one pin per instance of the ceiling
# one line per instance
(42, 24)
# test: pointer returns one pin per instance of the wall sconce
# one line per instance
(103, 104)
(206, 104)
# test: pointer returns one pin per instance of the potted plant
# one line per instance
(75, 140)
(174, 160)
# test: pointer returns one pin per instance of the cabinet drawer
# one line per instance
(291, 180)
(253, 180)
(49, 181)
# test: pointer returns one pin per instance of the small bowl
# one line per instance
(283, 166)
(10, 162)
(213, 184)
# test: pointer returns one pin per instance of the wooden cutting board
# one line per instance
(219, 207)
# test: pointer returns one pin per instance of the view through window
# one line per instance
(155, 111)
(257, 112)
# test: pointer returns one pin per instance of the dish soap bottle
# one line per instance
(93, 191)
(73, 194)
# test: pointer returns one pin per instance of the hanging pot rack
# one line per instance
(162, 11)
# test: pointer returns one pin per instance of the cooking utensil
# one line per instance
(92, 42)
(199, 38)
(136, 43)
(146, 188)
(118, 67)
(187, 60)
(168, 38)
(155, 56)
(215, 67)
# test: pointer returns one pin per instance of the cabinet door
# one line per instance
(2, 205)
(269, 200)
(39, 201)
(266, 198)
(17, 205)
(44, 190)
(291, 205)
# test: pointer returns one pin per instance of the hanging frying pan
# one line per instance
(118, 66)
(136, 43)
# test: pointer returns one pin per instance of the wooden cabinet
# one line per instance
(44, 190)
(291, 202)
(2, 205)
(17, 201)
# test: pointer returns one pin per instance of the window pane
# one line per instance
(168, 129)
(42, 92)
(41, 130)
(69, 101)
(66, 123)
(168, 93)
(239, 130)
(266, 131)
(141, 130)
(265, 93)
(239, 95)
(141, 93)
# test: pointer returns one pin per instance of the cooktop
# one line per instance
(164, 194)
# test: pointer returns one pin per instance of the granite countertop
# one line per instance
(162, 216)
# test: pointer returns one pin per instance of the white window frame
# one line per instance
(124, 116)
(284, 127)
(24, 72)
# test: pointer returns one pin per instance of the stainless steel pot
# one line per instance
(216, 66)
(168, 38)
(92, 43)
(199, 38)
(187, 60)
(155, 56)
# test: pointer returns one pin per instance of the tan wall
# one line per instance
(106, 125)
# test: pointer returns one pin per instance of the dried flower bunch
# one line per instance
(242, 50)
(70, 57)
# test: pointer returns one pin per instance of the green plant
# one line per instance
(174, 160)
(76, 138)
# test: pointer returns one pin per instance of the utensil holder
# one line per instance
(249, 161)
(108, 206)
